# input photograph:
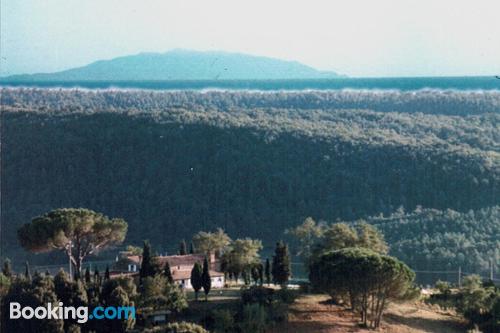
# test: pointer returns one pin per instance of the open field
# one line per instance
(313, 313)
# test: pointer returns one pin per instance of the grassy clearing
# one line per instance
(216, 295)
(218, 299)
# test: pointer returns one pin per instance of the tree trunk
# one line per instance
(79, 266)
(380, 312)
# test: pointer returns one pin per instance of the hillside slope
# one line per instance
(171, 165)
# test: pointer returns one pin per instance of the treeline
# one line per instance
(169, 166)
(444, 240)
(96, 289)
(428, 240)
(443, 102)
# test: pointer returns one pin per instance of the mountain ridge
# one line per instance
(182, 64)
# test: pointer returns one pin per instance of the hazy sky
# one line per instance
(353, 37)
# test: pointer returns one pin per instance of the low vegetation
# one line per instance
(477, 300)
(425, 239)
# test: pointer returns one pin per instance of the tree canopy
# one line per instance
(76, 231)
(369, 280)
(313, 240)
(211, 242)
(241, 256)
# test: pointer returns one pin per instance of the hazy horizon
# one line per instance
(355, 38)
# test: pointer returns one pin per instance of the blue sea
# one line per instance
(404, 84)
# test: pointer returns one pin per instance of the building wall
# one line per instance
(217, 282)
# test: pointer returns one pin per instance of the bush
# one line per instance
(157, 293)
(443, 287)
(257, 294)
(273, 302)
(305, 287)
(223, 321)
(286, 296)
(477, 301)
(180, 327)
(254, 318)
(4, 284)
(278, 312)
(74, 329)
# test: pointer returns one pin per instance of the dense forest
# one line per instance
(429, 238)
(171, 163)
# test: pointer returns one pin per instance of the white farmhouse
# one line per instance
(180, 267)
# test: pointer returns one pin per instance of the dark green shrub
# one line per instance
(257, 294)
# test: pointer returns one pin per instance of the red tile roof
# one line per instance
(177, 260)
(185, 274)
(185, 260)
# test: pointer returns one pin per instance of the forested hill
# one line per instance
(445, 102)
(429, 239)
(175, 163)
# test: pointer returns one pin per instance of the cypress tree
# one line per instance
(183, 248)
(167, 273)
(7, 268)
(149, 266)
(97, 276)
(192, 249)
(118, 297)
(87, 276)
(281, 269)
(206, 280)
(106, 274)
(196, 279)
(246, 276)
(27, 272)
(268, 272)
(61, 282)
(260, 269)
(255, 274)
(145, 269)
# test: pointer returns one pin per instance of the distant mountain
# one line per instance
(183, 65)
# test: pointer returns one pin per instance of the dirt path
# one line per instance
(311, 314)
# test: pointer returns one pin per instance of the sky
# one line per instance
(359, 38)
